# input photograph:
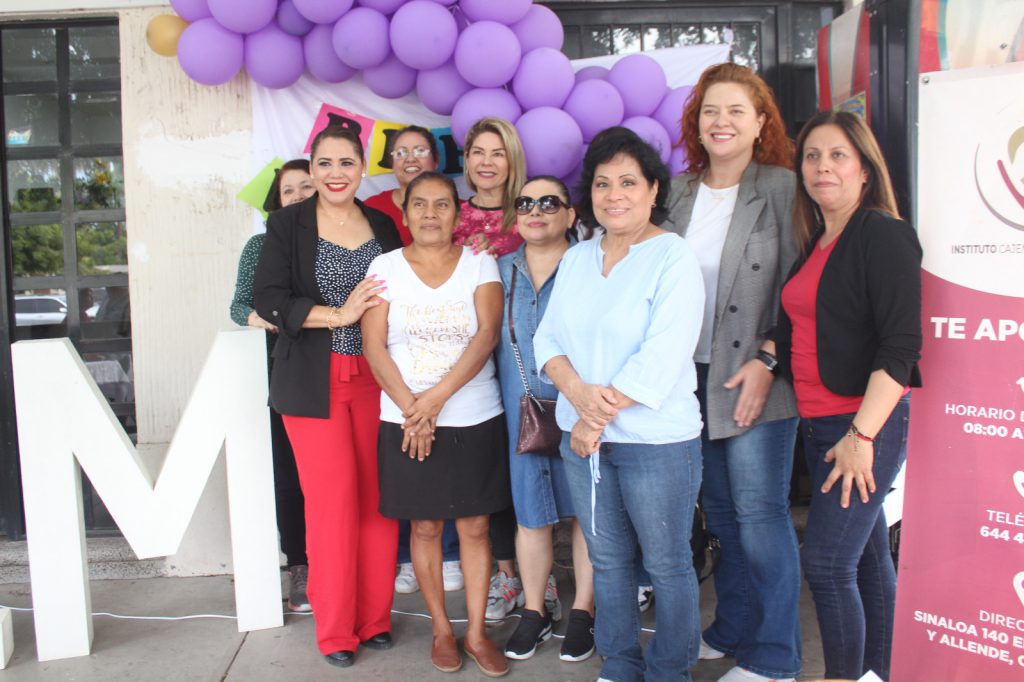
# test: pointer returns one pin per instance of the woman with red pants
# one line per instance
(311, 283)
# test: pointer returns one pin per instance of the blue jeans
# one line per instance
(846, 556)
(757, 583)
(646, 494)
(449, 542)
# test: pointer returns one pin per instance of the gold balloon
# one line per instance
(163, 33)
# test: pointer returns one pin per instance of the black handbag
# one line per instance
(538, 431)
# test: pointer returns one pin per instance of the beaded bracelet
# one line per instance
(330, 318)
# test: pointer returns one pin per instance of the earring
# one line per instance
(758, 140)
(700, 140)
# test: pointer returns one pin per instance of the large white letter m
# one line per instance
(64, 421)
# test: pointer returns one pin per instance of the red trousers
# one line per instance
(351, 548)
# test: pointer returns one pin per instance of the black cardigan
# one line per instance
(868, 306)
(284, 291)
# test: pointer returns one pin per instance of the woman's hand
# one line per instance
(755, 381)
(424, 408)
(481, 243)
(363, 296)
(595, 404)
(584, 440)
(853, 458)
(256, 321)
(417, 441)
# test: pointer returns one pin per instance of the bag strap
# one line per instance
(512, 334)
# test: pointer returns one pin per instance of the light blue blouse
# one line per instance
(635, 330)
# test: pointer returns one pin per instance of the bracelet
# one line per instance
(860, 435)
(330, 318)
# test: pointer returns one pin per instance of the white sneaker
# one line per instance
(644, 597)
(738, 674)
(405, 581)
(451, 573)
(503, 596)
(710, 653)
(551, 603)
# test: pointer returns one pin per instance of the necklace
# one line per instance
(341, 221)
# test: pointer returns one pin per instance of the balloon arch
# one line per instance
(463, 58)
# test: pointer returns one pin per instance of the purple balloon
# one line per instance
(677, 160)
(503, 11)
(423, 34)
(439, 89)
(539, 28)
(670, 112)
(641, 82)
(323, 11)
(591, 73)
(361, 38)
(487, 54)
(391, 78)
(446, 3)
(291, 21)
(321, 60)
(595, 105)
(243, 16)
(573, 177)
(209, 53)
(481, 103)
(544, 78)
(191, 10)
(273, 58)
(652, 133)
(382, 6)
(551, 141)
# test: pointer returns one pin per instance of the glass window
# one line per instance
(95, 52)
(30, 120)
(105, 312)
(596, 41)
(687, 35)
(40, 314)
(37, 250)
(99, 183)
(657, 37)
(112, 372)
(746, 46)
(30, 54)
(102, 248)
(626, 39)
(807, 21)
(33, 185)
(96, 118)
(713, 34)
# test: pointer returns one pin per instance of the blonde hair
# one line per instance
(516, 163)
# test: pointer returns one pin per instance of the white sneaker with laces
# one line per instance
(451, 574)
(405, 581)
(738, 674)
(551, 603)
(644, 597)
(708, 652)
(503, 596)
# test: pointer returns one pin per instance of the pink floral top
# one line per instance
(475, 220)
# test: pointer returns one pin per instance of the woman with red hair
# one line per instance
(734, 206)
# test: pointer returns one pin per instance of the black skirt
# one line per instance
(466, 473)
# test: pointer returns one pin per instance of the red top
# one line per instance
(487, 220)
(799, 298)
(385, 202)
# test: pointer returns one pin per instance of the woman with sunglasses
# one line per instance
(414, 152)
(540, 490)
(292, 184)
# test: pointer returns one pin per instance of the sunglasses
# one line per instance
(549, 203)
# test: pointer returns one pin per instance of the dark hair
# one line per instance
(877, 192)
(426, 177)
(608, 144)
(773, 146)
(562, 189)
(337, 132)
(427, 135)
(273, 200)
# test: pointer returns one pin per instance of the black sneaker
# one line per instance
(533, 629)
(578, 644)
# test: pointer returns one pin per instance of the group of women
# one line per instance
(709, 314)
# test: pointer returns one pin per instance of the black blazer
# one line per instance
(868, 307)
(285, 289)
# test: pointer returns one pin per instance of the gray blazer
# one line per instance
(758, 253)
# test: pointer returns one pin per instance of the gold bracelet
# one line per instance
(330, 318)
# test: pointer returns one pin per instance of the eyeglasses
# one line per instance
(549, 203)
(415, 152)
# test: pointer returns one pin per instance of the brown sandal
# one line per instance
(444, 654)
(491, 661)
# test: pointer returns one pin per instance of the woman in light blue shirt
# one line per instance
(617, 341)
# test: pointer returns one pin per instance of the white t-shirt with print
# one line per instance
(429, 329)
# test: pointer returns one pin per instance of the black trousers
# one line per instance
(291, 512)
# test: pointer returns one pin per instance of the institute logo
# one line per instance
(999, 171)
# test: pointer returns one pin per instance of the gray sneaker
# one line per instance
(504, 595)
(297, 599)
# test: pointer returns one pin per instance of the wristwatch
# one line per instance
(769, 360)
